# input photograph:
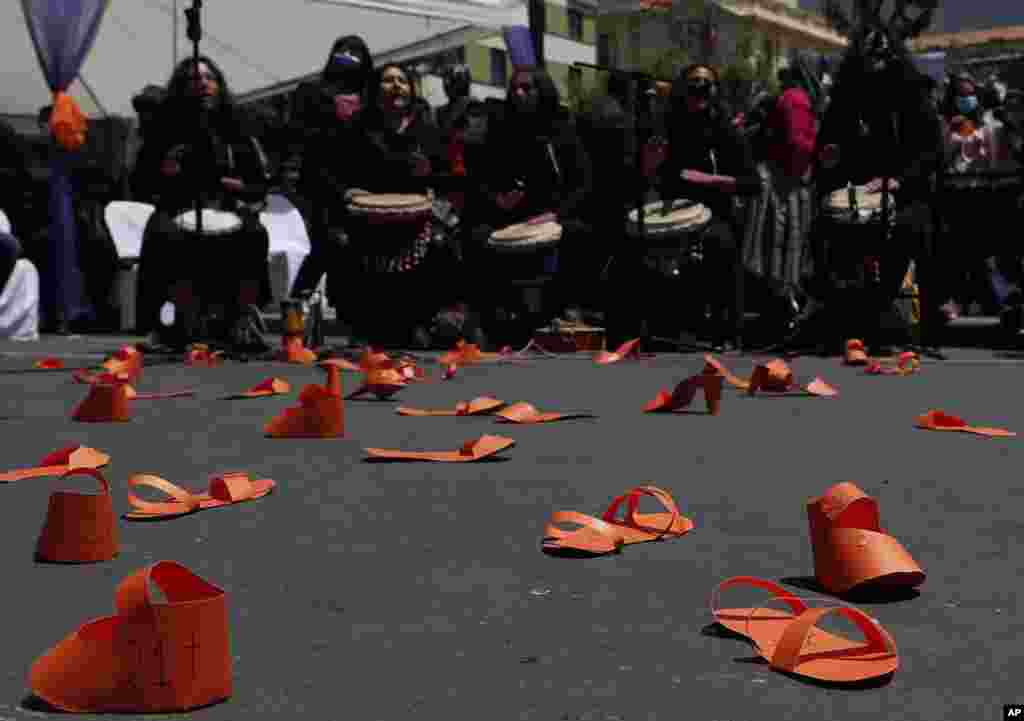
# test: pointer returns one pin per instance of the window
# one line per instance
(499, 74)
(576, 25)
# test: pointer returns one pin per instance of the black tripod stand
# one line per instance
(195, 34)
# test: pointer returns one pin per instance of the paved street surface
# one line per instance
(390, 591)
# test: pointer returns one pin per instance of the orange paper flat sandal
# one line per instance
(527, 413)
(79, 527)
(151, 657)
(851, 548)
(591, 535)
(60, 462)
(320, 413)
(935, 420)
(264, 389)
(855, 355)
(906, 364)
(481, 406)
(739, 620)
(483, 447)
(50, 363)
(628, 350)
(684, 393)
(226, 489)
(107, 401)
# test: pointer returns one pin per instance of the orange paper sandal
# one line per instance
(851, 548)
(483, 447)
(264, 389)
(935, 420)
(79, 527)
(906, 364)
(107, 401)
(527, 413)
(151, 657)
(739, 620)
(60, 462)
(773, 376)
(592, 535)
(227, 489)
(481, 406)
(628, 350)
(684, 393)
(320, 413)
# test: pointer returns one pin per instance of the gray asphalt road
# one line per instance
(392, 591)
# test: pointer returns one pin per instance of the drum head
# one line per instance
(215, 222)
(526, 237)
(390, 200)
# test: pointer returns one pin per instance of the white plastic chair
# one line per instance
(126, 221)
(289, 244)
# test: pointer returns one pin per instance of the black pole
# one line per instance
(538, 27)
(195, 34)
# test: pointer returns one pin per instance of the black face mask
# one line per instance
(346, 72)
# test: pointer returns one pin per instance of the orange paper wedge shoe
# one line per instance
(60, 462)
(264, 389)
(151, 657)
(855, 355)
(320, 413)
(784, 634)
(684, 393)
(481, 406)
(609, 534)
(107, 401)
(79, 527)
(850, 547)
(50, 364)
(628, 350)
(226, 489)
(935, 420)
(527, 413)
(483, 447)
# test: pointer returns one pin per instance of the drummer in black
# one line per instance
(880, 124)
(199, 143)
(709, 162)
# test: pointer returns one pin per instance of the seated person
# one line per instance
(534, 165)
(201, 274)
(405, 275)
(19, 293)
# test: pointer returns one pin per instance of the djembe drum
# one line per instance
(529, 255)
(408, 217)
(672, 239)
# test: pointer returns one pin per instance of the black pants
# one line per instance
(215, 265)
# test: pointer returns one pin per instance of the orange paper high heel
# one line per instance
(906, 364)
(684, 393)
(320, 413)
(79, 527)
(628, 350)
(293, 350)
(107, 401)
(151, 657)
(60, 462)
(850, 547)
(483, 447)
(380, 382)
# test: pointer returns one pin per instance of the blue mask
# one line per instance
(345, 61)
(967, 104)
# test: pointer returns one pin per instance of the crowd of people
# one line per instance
(767, 176)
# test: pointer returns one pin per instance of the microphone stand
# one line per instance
(195, 34)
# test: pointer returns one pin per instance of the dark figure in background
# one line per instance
(325, 115)
(15, 163)
(710, 162)
(535, 164)
(202, 274)
(881, 124)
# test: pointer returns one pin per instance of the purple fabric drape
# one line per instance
(63, 32)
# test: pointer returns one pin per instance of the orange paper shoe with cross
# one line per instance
(60, 462)
(906, 364)
(783, 632)
(79, 527)
(320, 413)
(774, 376)
(108, 400)
(851, 550)
(151, 657)
(200, 356)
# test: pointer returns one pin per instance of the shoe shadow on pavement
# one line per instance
(867, 593)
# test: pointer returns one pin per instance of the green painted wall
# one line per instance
(478, 58)
(589, 31)
(557, 19)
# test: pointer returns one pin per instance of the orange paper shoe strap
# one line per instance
(183, 500)
(632, 499)
(232, 487)
(579, 519)
(780, 592)
(177, 583)
(787, 652)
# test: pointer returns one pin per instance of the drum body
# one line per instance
(673, 240)
(852, 223)
(527, 252)
(396, 229)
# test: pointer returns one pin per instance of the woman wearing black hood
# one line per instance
(324, 117)
(535, 164)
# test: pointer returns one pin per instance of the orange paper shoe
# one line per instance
(774, 376)
(527, 413)
(49, 363)
(684, 393)
(483, 447)
(226, 489)
(906, 364)
(107, 402)
(850, 547)
(200, 356)
(320, 413)
(60, 462)
(465, 354)
(269, 387)
(855, 355)
(79, 527)
(783, 633)
(380, 382)
(608, 534)
(481, 406)
(935, 420)
(152, 657)
(628, 350)
(293, 350)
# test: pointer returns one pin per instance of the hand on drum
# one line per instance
(233, 184)
(542, 218)
(875, 186)
(508, 201)
(696, 177)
